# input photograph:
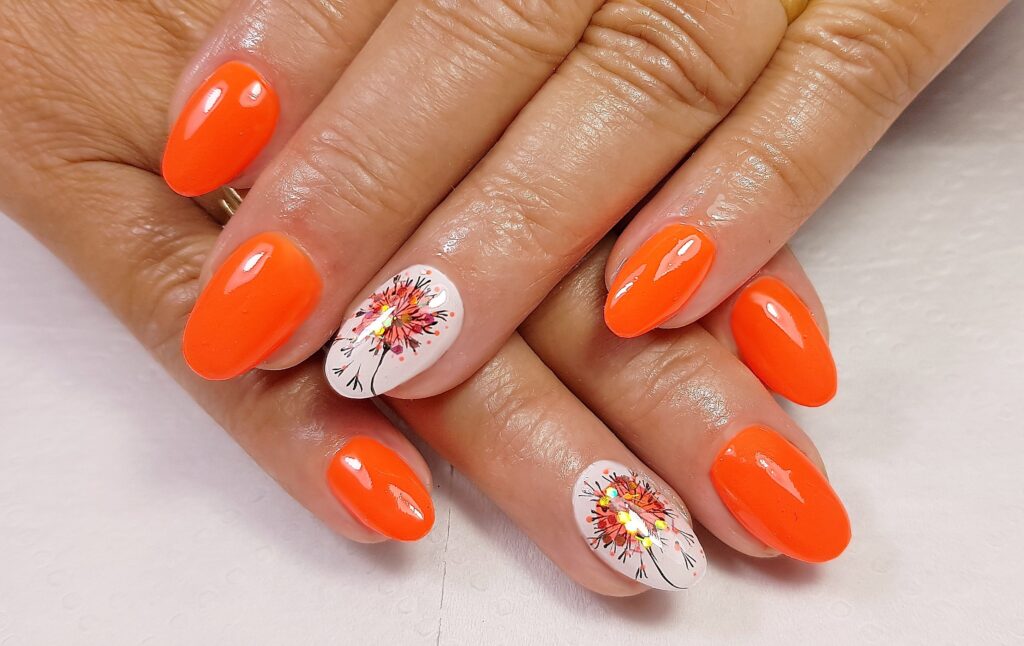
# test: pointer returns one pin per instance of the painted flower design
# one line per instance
(399, 316)
(626, 520)
(404, 318)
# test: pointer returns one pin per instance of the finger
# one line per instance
(141, 253)
(298, 431)
(644, 85)
(689, 409)
(776, 324)
(364, 168)
(843, 73)
(264, 67)
(554, 468)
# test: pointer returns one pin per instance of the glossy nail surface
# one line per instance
(380, 490)
(782, 344)
(398, 332)
(658, 279)
(780, 497)
(223, 127)
(635, 529)
(255, 300)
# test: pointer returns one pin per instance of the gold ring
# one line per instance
(230, 201)
(794, 8)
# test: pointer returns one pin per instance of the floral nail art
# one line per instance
(635, 529)
(404, 326)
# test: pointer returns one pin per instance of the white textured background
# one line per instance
(127, 516)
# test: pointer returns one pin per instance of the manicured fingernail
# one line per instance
(397, 333)
(635, 529)
(780, 497)
(380, 490)
(658, 279)
(264, 290)
(223, 127)
(781, 343)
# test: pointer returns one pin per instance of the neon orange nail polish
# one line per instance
(781, 343)
(380, 490)
(264, 290)
(658, 279)
(223, 127)
(780, 497)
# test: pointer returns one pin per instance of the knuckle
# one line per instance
(669, 376)
(341, 172)
(801, 181)
(868, 52)
(523, 30)
(653, 47)
(521, 414)
(524, 222)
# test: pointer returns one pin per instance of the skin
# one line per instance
(616, 107)
(543, 165)
(844, 71)
(140, 248)
(331, 33)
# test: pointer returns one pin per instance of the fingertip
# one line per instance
(380, 489)
(223, 126)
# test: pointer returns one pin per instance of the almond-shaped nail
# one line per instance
(380, 489)
(223, 127)
(635, 529)
(404, 326)
(253, 303)
(658, 279)
(779, 340)
(780, 497)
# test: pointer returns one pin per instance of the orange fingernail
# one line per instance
(658, 279)
(380, 490)
(780, 342)
(264, 291)
(223, 127)
(780, 497)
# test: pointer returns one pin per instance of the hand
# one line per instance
(684, 407)
(418, 111)
(639, 86)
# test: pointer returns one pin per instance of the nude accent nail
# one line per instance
(780, 497)
(404, 326)
(779, 340)
(658, 279)
(635, 529)
(223, 127)
(380, 489)
(253, 303)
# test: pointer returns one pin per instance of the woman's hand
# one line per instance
(543, 165)
(684, 408)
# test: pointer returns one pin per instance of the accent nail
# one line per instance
(635, 529)
(658, 279)
(398, 332)
(223, 127)
(780, 497)
(780, 342)
(253, 303)
(380, 490)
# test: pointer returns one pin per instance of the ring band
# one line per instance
(794, 8)
(230, 201)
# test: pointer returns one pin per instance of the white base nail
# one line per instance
(635, 529)
(398, 332)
